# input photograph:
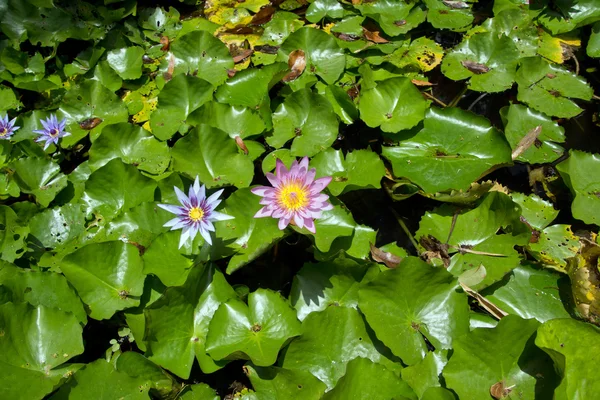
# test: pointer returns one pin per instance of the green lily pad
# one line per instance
(113, 282)
(335, 283)
(549, 88)
(455, 15)
(247, 237)
(530, 293)
(40, 177)
(517, 24)
(330, 340)
(276, 383)
(105, 381)
(332, 225)
(307, 118)
(139, 367)
(394, 17)
(320, 9)
(567, 15)
(210, 147)
(359, 169)
(250, 87)
(34, 342)
(133, 145)
(126, 62)
(554, 246)
(562, 339)
(256, 331)
(593, 47)
(520, 121)
(178, 99)
(235, 120)
(47, 289)
(504, 356)
(107, 76)
(177, 324)
(487, 59)
(393, 105)
(369, 380)
(201, 54)
(55, 227)
(414, 301)
(12, 235)
(90, 99)
(426, 373)
(323, 55)
(116, 187)
(538, 212)
(164, 259)
(453, 149)
(577, 173)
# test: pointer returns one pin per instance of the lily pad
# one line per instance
(538, 212)
(40, 177)
(357, 170)
(576, 172)
(504, 357)
(554, 246)
(112, 282)
(210, 147)
(549, 88)
(256, 331)
(426, 373)
(12, 235)
(200, 53)
(593, 47)
(323, 55)
(453, 149)
(403, 306)
(307, 118)
(237, 121)
(394, 104)
(489, 60)
(126, 62)
(271, 383)
(394, 17)
(454, 15)
(177, 323)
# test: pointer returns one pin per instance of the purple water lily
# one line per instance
(7, 128)
(295, 196)
(196, 213)
(53, 130)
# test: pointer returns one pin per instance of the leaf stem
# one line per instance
(405, 229)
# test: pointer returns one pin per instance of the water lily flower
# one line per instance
(196, 213)
(295, 196)
(53, 130)
(7, 128)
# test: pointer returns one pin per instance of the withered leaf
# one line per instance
(455, 4)
(90, 123)
(240, 142)
(417, 82)
(263, 16)
(169, 74)
(267, 49)
(347, 37)
(487, 305)
(390, 260)
(239, 30)
(297, 64)
(434, 249)
(526, 142)
(499, 390)
(475, 67)
(241, 54)
(165, 42)
(373, 36)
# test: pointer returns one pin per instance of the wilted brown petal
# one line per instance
(240, 142)
(374, 36)
(165, 42)
(169, 74)
(90, 123)
(297, 64)
(499, 390)
(475, 67)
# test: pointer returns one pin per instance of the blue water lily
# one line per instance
(196, 213)
(53, 130)
(7, 128)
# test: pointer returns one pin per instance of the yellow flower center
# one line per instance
(293, 196)
(3, 132)
(196, 214)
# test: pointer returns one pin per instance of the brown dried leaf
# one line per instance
(231, 73)
(474, 67)
(169, 74)
(417, 82)
(267, 49)
(165, 42)
(526, 142)
(500, 391)
(347, 37)
(297, 64)
(263, 16)
(390, 260)
(240, 142)
(434, 249)
(374, 36)
(240, 54)
(487, 305)
(90, 123)
(455, 4)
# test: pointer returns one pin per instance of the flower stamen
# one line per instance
(196, 214)
(293, 196)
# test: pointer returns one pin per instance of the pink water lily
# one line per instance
(295, 196)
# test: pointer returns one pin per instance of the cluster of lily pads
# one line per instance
(299, 199)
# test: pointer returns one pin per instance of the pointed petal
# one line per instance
(214, 198)
(309, 178)
(172, 222)
(275, 180)
(262, 190)
(310, 225)
(264, 212)
(298, 220)
(320, 184)
(283, 223)
(172, 209)
(280, 168)
(206, 235)
(303, 165)
(217, 216)
(183, 199)
(185, 234)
